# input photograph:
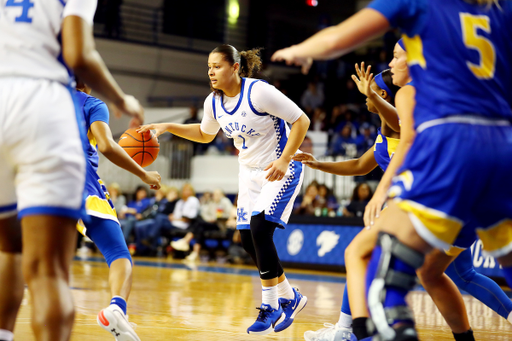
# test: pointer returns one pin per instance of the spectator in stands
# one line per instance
(145, 226)
(307, 145)
(184, 215)
(344, 143)
(132, 212)
(309, 201)
(214, 214)
(360, 197)
(193, 116)
(312, 98)
(336, 117)
(147, 232)
(366, 140)
(327, 199)
(117, 198)
(318, 121)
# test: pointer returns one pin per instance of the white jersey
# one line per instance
(255, 119)
(30, 36)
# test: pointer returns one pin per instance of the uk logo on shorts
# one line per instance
(241, 214)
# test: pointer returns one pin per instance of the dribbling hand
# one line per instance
(152, 179)
(158, 128)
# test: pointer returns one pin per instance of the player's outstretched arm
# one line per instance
(190, 132)
(405, 105)
(79, 52)
(112, 151)
(361, 166)
(336, 41)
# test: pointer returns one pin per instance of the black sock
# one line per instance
(467, 336)
(359, 327)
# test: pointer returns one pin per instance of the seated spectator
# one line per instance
(132, 212)
(318, 121)
(307, 145)
(214, 214)
(360, 198)
(148, 231)
(312, 98)
(310, 202)
(185, 213)
(366, 140)
(327, 199)
(344, 143)
(117, 198)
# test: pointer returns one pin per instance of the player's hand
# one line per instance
(130, 106)
(276, 170)
(307, 159)
(159, 128)
(364, 79)
(373, 208)
(152, 179)
(289, 56)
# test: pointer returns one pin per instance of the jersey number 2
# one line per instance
(470, 25)
(26, 5)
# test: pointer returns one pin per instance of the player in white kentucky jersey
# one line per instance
(255, 115)
(42, 161)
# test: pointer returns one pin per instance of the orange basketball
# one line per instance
(142, 148)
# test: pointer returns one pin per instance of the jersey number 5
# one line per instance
(25, 5)
(470, 25)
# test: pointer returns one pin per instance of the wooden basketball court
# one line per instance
(174, 301)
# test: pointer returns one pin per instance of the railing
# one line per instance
(147, 25)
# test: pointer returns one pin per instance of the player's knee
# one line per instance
(262, 230)
(37, 267)
(120, 253)
(351, 251)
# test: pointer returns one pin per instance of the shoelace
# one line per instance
(263, 315)
(286, 304)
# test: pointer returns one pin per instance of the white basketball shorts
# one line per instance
(256, 194)
(42, 162)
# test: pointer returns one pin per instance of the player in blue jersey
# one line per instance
(103, 228)
(255, 115)
(42, 163)
(380, 93)
(460, 158)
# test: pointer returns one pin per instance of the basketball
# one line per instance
(142, 148)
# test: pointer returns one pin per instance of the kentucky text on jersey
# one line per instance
(235, 126)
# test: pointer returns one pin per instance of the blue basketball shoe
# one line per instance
(267, 319)
(291, 308)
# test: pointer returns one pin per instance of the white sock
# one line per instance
(269, 296)
(345, 321)
(284, 290)
(6, 335)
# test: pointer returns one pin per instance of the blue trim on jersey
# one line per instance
(279, 126)
(213, 106)
(51, 210)
(8, 208)
(62, 2)
(286, 193)
(60, 59)
(249, 100)
(239, 100)
(243, 226)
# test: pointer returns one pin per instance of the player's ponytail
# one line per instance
(250, 62)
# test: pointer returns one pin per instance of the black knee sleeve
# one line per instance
(266, 254)
(248, 245)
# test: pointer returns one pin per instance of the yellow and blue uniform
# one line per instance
(458, 168)
(103, 227)
(384, 149)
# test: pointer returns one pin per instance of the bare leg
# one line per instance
(357, 256)
(120, 278)
(443, 291)
(48, 248)
(11, 277)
